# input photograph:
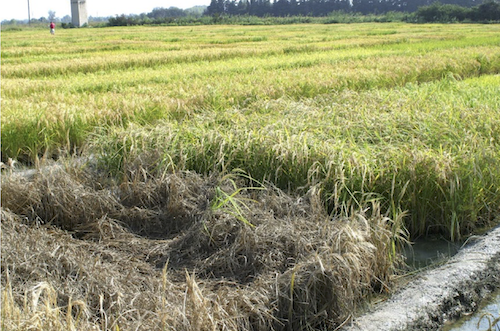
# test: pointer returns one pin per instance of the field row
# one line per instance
(40, 114)
(122, 49)
(404, 114)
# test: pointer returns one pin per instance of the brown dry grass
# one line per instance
(152, 253)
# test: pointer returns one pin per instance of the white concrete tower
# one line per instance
(79, 12)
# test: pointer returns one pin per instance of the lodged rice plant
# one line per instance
(151, 253)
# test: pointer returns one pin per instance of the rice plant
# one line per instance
(363, 136)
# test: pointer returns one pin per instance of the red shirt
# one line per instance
(52, 25)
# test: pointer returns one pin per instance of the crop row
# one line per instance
(40, 114)
(404, 114)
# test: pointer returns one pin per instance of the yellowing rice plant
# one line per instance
(154, 255)
(236, 177)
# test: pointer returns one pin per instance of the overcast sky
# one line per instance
(18, 9)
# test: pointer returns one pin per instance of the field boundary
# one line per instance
(441, 294)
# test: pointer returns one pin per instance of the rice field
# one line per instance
(282, 165)
(406, 112)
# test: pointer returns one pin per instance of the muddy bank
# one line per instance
(487, 317)
(441, 294)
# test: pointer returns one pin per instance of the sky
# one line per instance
(18, 9)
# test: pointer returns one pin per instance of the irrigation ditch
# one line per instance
(443, 294)
(487, 317)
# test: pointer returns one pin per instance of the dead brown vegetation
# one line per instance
(157, 253)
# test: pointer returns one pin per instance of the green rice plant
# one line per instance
(392, 111)
(365, 136)
(357, 145)
(230, 202)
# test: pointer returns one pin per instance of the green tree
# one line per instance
(52, 16)
(489, 11)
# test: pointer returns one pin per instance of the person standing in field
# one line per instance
(52, 28)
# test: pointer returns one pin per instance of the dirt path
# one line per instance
(440, 294)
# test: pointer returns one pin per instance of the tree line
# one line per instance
(466, 9)
(320, 11)
(488, 11)
(258, 12)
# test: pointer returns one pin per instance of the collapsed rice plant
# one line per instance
(105, 271)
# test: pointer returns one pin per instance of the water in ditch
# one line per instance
(430, 251)
(486, 318)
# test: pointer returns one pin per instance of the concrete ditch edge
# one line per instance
(440, 294)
